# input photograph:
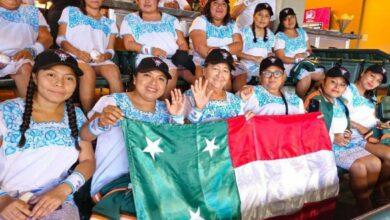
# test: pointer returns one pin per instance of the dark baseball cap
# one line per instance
(264, 6)
(271, 61)
(153, 63)
(217, 56)
(285, 12)
(376, 68)
(339, 71)
(50, 58)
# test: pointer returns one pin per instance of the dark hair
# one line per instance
(83, 7)
(206, 12)
(260, 7)
(368, 94)
(27, 114)
(281, 27)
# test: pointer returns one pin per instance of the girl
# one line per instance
(214, 29)
(364, 167)
(40, 143)
(209, 101)
(292, 46)
(152, 33)
(90, 37)
(112, 172)
(258, 44)
(24, 34)
(269, 98)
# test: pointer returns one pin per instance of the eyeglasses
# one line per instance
(276, 74)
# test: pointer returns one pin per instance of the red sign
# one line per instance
(317, 17)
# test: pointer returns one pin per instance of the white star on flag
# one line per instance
(196, 215)
(152, 147)
(210, 146)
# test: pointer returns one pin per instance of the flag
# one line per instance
(267, 167)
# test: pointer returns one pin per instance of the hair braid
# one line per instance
(27, 111)
(72, 120)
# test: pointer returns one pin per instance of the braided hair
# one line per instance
(265, 37)
(27, 114)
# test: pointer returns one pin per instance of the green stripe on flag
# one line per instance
(181, 171)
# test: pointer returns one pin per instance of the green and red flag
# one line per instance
(267, 167)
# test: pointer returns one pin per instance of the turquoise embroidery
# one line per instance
(265, 98)
(24, 14)
(159, 116)
(248, 39)
(223, 31)
(76, 18)
(339, 109)
(293, 44)
(140, 27)
(358, 100)
(228, 108)
(42, 134)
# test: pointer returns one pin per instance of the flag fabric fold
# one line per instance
(267, 167)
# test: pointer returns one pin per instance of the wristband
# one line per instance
(75, 181)
(60, 39)
(147, 50)
(111, 51)
(95, 129)
(38, 47)
(178, 119)
(195, 115)
(32, 52)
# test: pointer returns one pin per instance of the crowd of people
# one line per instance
(233, 69)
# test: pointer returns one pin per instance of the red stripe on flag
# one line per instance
(276, 137)
(316, 210)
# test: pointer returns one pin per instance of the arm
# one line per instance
(199, 41)
(237, 10)
(181, 41)
(236, 46)
(281, 55)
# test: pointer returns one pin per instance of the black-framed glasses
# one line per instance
(276, 74)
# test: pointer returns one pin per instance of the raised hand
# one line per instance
(176, 107)
(199, 90)
(246, 92)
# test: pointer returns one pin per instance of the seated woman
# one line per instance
(152, 33)
(24, 34)
(292, 46)
(90, 37)
(214, 29)
(243, 10)
(258, 44)
(270, 98)
(40, 143)
(207, 99)
(111, 179)
(361, 106)
(364, 167)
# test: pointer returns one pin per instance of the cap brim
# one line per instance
(232, 67)
(144, 70)
(75, 68)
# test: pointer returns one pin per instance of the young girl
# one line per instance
(90, 37)
(152, 33)
(40, 142)
(209, 101)
(258, 44)
(111, 180)
(214, 29)
(24, 34)
(364, 167)
(269, 98)
(292, 46)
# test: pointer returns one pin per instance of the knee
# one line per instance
(111, 72)
(374, 165)
(358, 169)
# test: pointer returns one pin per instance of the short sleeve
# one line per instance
(114, 28)
(236, 29)
(42, 20)
(238, 2)
(348, 95)
(177, 25)
(64, 16)
(101, 104)
(198, 24)
(301, 107)
(305, 35)
(279, 43)
(3, 126)
(80, 117)
(125, 28)
(182, 3)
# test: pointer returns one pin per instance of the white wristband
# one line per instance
(75, 181)
(195, 115)
(111, 51)
(38, 47)
(60, 39)
(95, 129)
(227, 48)
(177, 119)
(147, 50)
(247, 2)
(297, 60)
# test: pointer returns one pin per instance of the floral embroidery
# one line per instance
(249, 44)
(24, 14)
(76, 18)
(293, 44)
(265, 98)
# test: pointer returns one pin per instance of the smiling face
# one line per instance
(218, 9)
(148, 6)
(334, 87)
(272, 79)
(10, 4)
(370, 80)
(217, 75)
(262, 18)
(290, 22)
(55, 84)
(150, 85)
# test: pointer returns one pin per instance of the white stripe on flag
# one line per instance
(280, 187)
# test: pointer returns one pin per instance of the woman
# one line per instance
(112, 172)
(361, 106)
(364, 167)
(292, 46)
(243, 11)
(90, 37)
(258, 44)
(24, 34)
(40, 143)
(214, 29)
(152, 33)
(209, 101)
(270, 98)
